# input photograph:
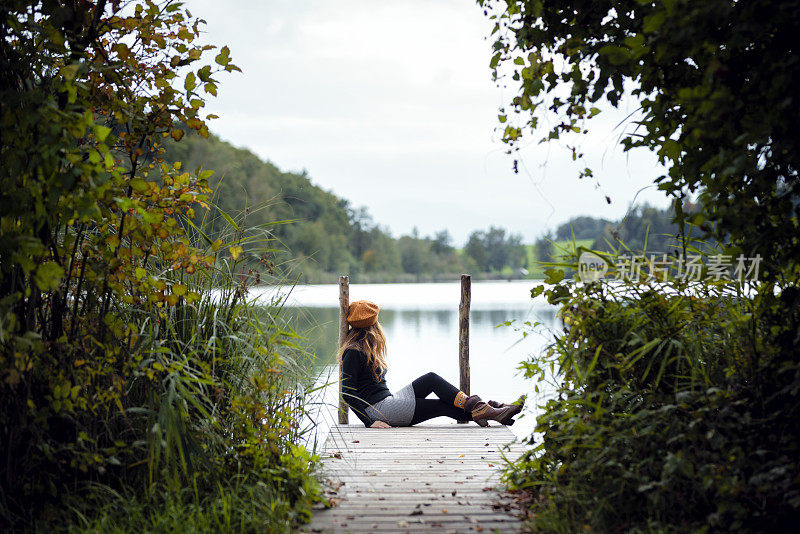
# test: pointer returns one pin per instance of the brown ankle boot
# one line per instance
(471, 402)
(482, 413)
(519, 403)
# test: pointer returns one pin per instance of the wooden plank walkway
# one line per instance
(428, 478)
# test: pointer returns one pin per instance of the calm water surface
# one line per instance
(421, 324)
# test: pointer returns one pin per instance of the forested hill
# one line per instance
(256, 192)
(327, 235)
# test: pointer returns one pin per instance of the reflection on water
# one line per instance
(426, 339)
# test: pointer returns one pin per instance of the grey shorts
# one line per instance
(397, 409)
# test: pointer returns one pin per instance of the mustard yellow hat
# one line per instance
(362, 313)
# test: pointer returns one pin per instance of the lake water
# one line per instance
(421, 325)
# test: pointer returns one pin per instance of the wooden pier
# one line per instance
(432, 477)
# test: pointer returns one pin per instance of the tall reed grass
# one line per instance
(214, 408)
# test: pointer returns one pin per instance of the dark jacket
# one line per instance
(360, 388)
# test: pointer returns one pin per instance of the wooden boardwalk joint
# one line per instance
(427, 478)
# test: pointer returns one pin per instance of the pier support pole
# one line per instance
(463, 333)
(344, 306)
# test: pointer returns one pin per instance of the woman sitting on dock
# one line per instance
(362, 357)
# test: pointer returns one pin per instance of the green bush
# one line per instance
(210, 409)
(131, 363)
(676, 411)
(271, 499)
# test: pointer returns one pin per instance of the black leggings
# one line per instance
(430, 408)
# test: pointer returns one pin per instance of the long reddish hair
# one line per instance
(372, 342)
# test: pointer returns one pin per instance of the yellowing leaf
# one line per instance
(236, 250)
(122, 50)
(140, 273)
(101, 132)
(48, 275)
(70, 71)
(223, 56)
(179, 289)
(140, 186)
(190, 82)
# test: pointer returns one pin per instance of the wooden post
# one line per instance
(463, 333)
(344, 307)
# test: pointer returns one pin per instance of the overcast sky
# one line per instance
(391, 106)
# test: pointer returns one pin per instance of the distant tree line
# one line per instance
(644, 229)
(328, 236)
(493, 250)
